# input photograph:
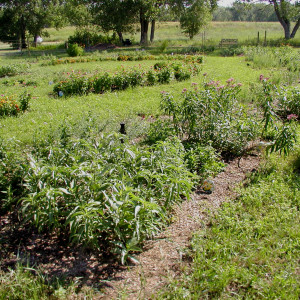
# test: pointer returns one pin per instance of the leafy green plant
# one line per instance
(75, 50)
(9, 70)
(107, 194)
(212, 116)
(24, 101)
(284, 137)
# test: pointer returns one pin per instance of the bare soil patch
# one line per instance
(160, 260)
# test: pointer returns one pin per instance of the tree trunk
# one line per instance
(283, 19)
(144, 28)
(35, 40)
(152, 31)
(295, 29)
(120, 34)
(23, 33)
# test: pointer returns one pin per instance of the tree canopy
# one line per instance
(20, 16)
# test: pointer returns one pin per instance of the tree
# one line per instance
(19, 17)
(116, 15)
(194, 14)
(286, 12)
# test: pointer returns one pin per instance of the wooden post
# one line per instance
(265, 38)
(257, 37)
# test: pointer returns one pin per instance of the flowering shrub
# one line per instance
(8, 106)
(211, 116)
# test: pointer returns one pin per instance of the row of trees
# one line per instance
(18, 17)
(246, 12)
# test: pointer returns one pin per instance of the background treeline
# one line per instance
(248, 12)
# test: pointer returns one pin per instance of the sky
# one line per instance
(225, 2)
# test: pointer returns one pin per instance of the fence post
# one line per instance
(265, 38)
(257, 37)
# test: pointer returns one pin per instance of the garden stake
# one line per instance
(122, 131)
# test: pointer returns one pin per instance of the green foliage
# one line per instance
(79, 83)
(24, 101)
(75, 50)
(212, 116)
(284, 134)
(11, 176)
(203, 160)
(21, 283)
(108, 195)
(284, 56)
(9, 70)
(289, 102)
(87, 38)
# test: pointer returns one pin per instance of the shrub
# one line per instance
(87, 38)
(212, 116)
(8, 106)
(160, 65)
(9, 70)
(164, 75)
(289, 102)
(75, 50)
(151, 78)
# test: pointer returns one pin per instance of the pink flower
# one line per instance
(220, 87)
(194, 83)
(163, 92)
(184, 90)
(239, 84)
(229, 80)
(204, 74)
(292, 117)
(261, 77)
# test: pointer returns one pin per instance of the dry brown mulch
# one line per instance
(161, 259)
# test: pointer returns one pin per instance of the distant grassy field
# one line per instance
(245, 32)
(215, 31)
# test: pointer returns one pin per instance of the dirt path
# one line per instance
(162, 257)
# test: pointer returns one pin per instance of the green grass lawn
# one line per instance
(47, 113)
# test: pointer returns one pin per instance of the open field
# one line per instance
(78, 199)
(245, 32)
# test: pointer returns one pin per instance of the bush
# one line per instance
(212, 116)
(9, 70)
(289, 102)
(75, 50)
(86, 38)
